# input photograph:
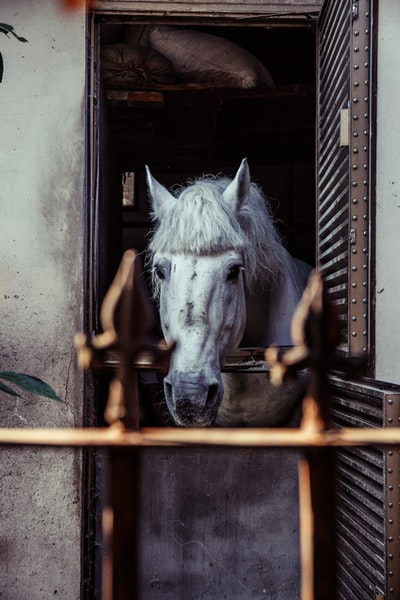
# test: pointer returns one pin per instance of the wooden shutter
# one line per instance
(367, 478)
(343, 191)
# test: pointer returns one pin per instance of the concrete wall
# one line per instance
(388, 194)
(42, 107)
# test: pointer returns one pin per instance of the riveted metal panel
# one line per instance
(343, 164)
(359, 179)
(367, 494)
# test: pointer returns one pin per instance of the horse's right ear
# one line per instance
(237, 192)
(162, 201)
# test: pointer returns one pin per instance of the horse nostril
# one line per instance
(213, 392)
(167, 389)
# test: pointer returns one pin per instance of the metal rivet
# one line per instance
(390, 521)
(354, 183)
(355, 200)
(390, 470)
(390, 420)
(355, 217)
(354, 334)
(391, 573)
(391, 489)
(390, 537)
(356, 67)
(355, 134)
(354, 268)
(356, 84)
(354, 301)
(354, 318)
(355, 167)
(356, 48)
(354, 251)
(355, 150)
(356, 32)
(355, 100)
(353, 285)
(390, 401)
(390, 506)
(355, 118)
(390, 556)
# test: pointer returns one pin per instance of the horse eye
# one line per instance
(234, 272)
(159, 273)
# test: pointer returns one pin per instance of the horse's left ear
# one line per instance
(161, 199)
(238, 190)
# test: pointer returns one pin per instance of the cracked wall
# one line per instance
(42, 165)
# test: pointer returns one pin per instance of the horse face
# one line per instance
(202, 309)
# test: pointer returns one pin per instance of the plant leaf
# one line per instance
(6, 29)
(5, 388)
(30, 384)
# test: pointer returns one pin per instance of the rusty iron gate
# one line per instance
(322, 576)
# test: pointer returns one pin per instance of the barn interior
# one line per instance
(183, 128)
(199, 503)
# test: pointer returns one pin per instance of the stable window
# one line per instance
(182, 129)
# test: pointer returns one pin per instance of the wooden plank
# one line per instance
(290, 8)
(135, 99)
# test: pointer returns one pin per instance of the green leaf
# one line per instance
(5, 388)
(6, 29)
(30, 384)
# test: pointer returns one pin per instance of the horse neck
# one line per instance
(269, 314)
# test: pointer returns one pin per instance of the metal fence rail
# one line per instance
(314, 333)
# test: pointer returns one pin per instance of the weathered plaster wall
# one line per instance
(42, 104)
(388, 194)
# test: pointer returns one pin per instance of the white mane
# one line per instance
(202, 223)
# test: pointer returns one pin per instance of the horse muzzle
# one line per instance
(192, 398)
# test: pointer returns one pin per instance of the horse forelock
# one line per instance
(202, 223)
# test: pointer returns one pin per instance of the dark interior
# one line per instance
(182, 130)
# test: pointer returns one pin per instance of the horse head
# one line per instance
(198, 271)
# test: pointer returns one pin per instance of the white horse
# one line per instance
(223, 279)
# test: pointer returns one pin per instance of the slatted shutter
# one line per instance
(367, 495)
(367, 478)
(343, 164)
